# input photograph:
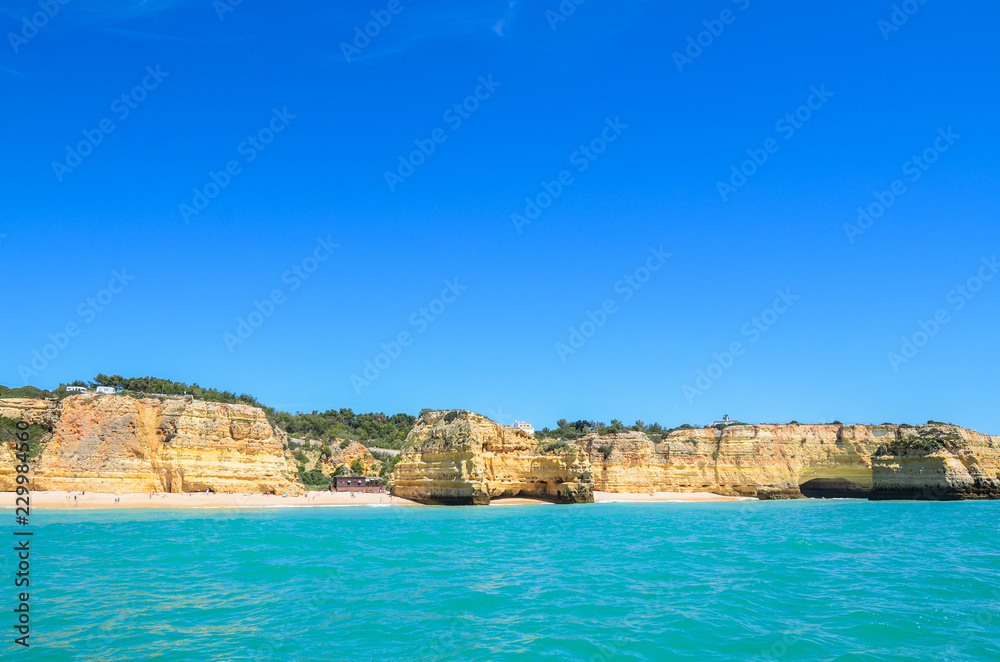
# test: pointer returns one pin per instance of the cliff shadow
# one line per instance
(833, 488)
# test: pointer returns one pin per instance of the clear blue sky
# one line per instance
(551, 87)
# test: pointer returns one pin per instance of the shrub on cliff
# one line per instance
(24, 392)
(314, 477)
(577, 429)
(910, 445)
(37, 436)
(389, 463)
(375, 429)
(144, 385)
(556, 448)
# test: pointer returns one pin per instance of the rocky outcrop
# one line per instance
(116, 443)
(462, 458)
(761, 461)
(339, 455)
(779, 461)
(937, 463)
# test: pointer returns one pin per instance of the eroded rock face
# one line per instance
(462, 458)
(938, 463)
(762, 461)
(115, 443)
(785, 461)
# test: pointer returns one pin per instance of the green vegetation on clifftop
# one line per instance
(910, 445)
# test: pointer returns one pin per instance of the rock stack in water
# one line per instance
(461, 458)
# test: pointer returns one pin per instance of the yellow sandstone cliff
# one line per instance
(117, 443)
(787, 461)
(937, 463)
(462, 458)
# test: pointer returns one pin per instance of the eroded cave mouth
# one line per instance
(833, 488)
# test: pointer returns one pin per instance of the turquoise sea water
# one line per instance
(812, 580)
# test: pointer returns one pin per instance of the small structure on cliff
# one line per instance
(524, 427)
(725, 421)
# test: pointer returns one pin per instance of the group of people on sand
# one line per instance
(70, 493)
(310, 497)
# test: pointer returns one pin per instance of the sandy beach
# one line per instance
(96, 500)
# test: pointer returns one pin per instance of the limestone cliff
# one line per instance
(462, 458)
(937, 463)
(116, 443)
(775, 461)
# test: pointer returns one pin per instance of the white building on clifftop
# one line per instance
(526, 427)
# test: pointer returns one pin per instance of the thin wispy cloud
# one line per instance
(418, 27)
(13, 73)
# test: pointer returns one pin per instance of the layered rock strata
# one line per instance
(794, 461)
(462, 458)
(937, 463)
(116, 443)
